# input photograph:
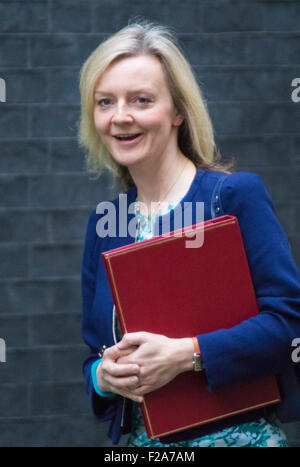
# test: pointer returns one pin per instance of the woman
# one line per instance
(144, 118)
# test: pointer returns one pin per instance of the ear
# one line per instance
(178, 119)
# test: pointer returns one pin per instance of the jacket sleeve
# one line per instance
(103, 408)
(259, 346)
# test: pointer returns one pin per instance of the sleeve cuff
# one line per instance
(95, 383)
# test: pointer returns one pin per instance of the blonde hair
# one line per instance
(195, 134)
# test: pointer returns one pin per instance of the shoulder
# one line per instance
(237, 185)
(235, 180)
(245, 189)
(243, 181)
(239, 191)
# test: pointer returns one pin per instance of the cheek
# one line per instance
(158, 121)
(99, 122)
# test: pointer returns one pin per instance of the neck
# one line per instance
(164, 181)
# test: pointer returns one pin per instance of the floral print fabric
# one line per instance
(253, 434)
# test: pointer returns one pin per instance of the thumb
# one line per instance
(112, 352)
(133, 338)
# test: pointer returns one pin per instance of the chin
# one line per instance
(128, 160)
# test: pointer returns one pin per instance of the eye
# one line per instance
(104, 102)
(143, 100)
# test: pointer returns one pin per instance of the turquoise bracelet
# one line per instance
(95, 382)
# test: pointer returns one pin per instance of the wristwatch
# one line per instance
(197, 360)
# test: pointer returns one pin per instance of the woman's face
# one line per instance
(134, 112)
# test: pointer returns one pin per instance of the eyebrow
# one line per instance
(107, 93)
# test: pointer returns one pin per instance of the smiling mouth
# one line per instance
(127, 137)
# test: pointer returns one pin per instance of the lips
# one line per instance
(127, 137)
(128, 140)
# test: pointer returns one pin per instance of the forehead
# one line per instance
(142, 70)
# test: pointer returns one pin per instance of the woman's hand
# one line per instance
(159, 358)
(120, 378)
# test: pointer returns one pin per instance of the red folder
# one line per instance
(162, 286)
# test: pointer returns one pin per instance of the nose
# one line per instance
(121, 115)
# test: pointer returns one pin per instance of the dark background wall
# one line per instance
(245, 54)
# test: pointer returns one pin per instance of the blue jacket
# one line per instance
(256, 347)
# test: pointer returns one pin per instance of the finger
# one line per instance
(127, 351)
(128, 357)
(133, 338)
(125, 360)
(112, 352)
(124, 384)
(119, 370)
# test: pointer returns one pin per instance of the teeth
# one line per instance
(127, 136)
